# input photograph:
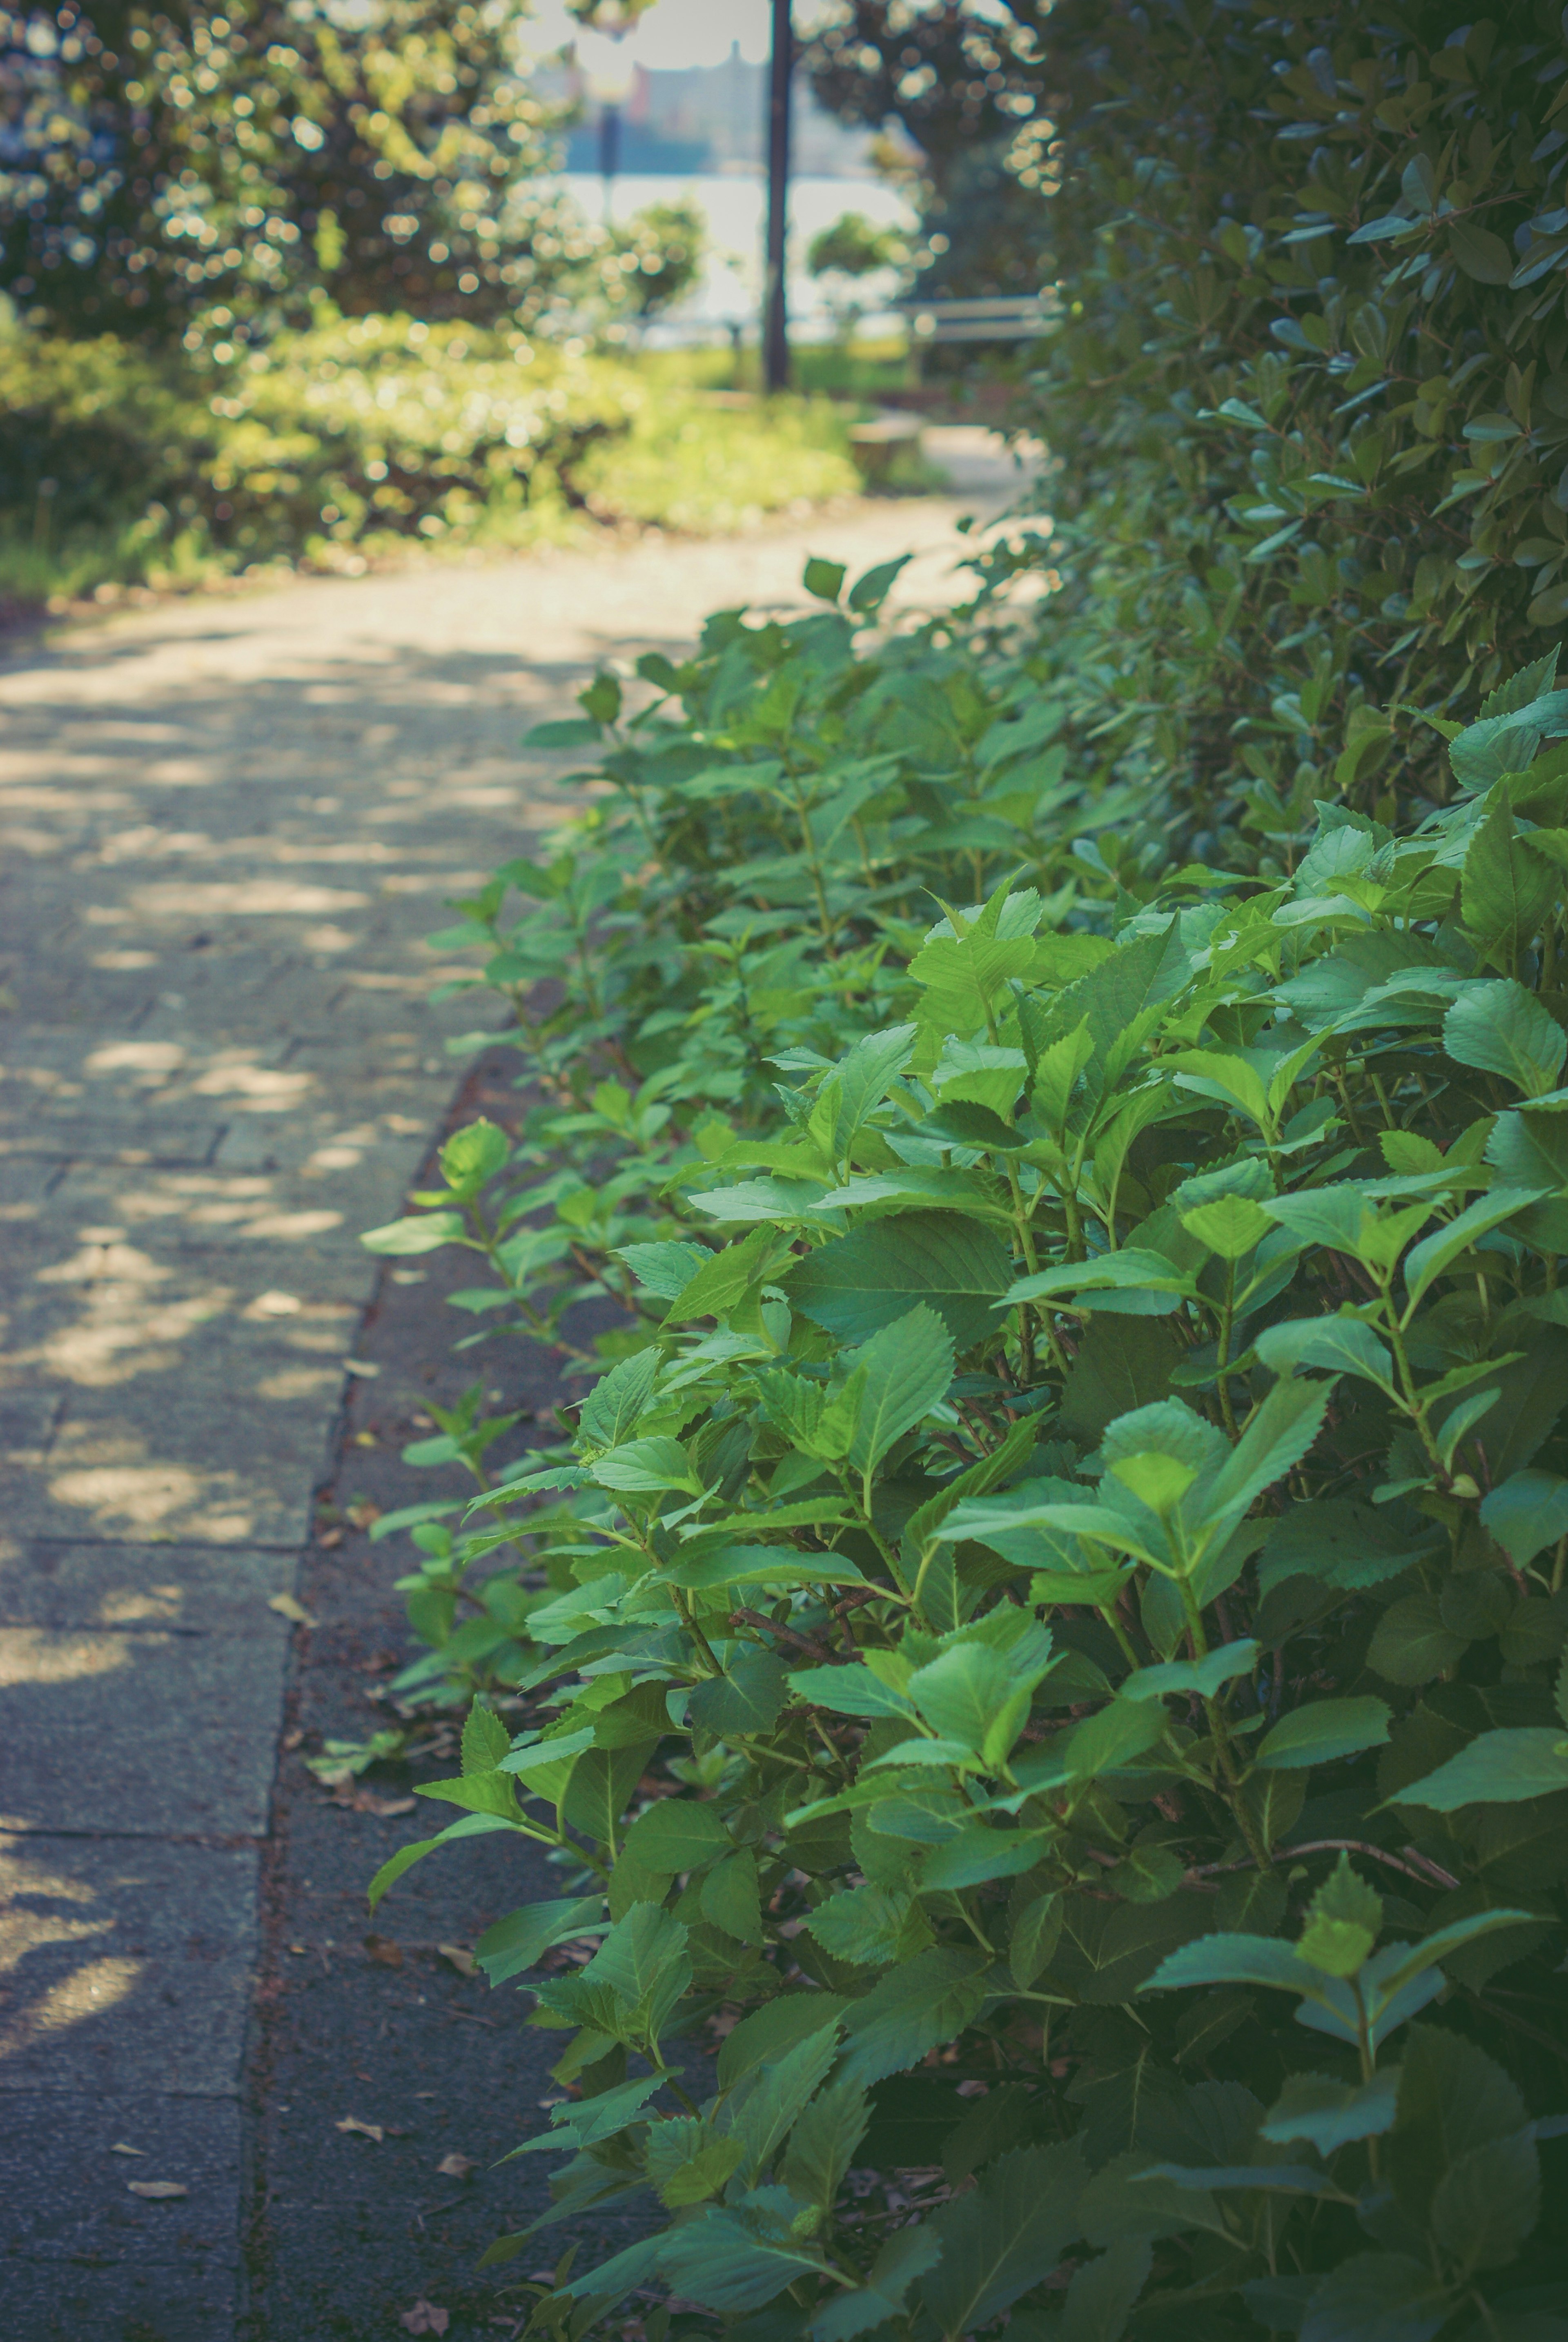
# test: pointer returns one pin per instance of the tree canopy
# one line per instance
(161, 162)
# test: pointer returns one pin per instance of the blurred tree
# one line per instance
(969, 89)
(164, 164)
(608, 16)
(655, 258)
(844, 253)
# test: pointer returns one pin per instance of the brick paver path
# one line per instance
(227, 826)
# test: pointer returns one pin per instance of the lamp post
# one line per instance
(775, 310)
(608, 72)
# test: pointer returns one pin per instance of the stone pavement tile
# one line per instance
(140, 1731)
(66, 2205)
(319, 1204)
(126, 1965)
(228, 1473)
(186, 1590)
(29, 1419)
(195, 1410)
(316, 1137)
(177, 2301)
(27, 1183)
(144, 1138)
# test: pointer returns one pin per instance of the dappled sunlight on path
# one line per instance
(224, 829)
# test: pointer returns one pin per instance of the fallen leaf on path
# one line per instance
(365, 1801)
(120, 2148)
(156, 2188)
(384, 1951)
(461, 1958)
(426, 2318)
(363, 1514)
(330, 1537)
(366, 1440)
(456, 2167)
(364, 1367)
(287, 1607)
(377, 2131)
(276, 1305)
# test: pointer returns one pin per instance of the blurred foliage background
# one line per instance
(292, 280)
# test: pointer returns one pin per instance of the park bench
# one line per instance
(1000, 317)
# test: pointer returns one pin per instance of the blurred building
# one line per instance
(711, 118)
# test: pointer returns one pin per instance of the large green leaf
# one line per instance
(1100, 2296)
(1282, 1430)
(612, 1407)
(1004, 2237)
(774, 2028)
(1412, 1643)
(1122, 1363)
(1507, 890)
(908, 2253)
(1453, 2098)
(1428, 1259)
(1325, 1729)
(1526, 1513)
(1231, 1959)
(911, 2010)
(1497, 1768)
(908, 1368)
(677, 1834)
(824, 2142)
(1377, 2297)
(856, 1285)
(1502, 1029)
(1340, 1344)
(762, 2110)
(521, 1939)
(1487, 2203)
(717, 2260)
(1328, 2113)
(746, 1698)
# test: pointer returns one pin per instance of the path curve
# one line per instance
(226, 826)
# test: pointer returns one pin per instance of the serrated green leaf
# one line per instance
(1501, 1028)
(909, 2253)
(1003, 2237)
(910, 2010)
(1330, 2114)
(908, 1368)
(1377, 2297)
(858, 1284)
(1497, 1768)
(1325, 1730)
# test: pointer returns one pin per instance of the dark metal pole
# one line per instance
(609, 155)
(775, 310)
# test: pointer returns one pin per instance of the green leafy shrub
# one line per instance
(1308, 403)
(361, 433)
(705, 469)
(1054, 1618)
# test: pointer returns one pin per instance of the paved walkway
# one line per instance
(227, 825)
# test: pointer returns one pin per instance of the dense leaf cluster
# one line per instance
(1049, 1636)
(359, 434)
(1310, 397)
(969, 88)
(160, 162)
(380, 424)
(1055, 1616)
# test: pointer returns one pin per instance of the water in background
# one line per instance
(735, 209)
